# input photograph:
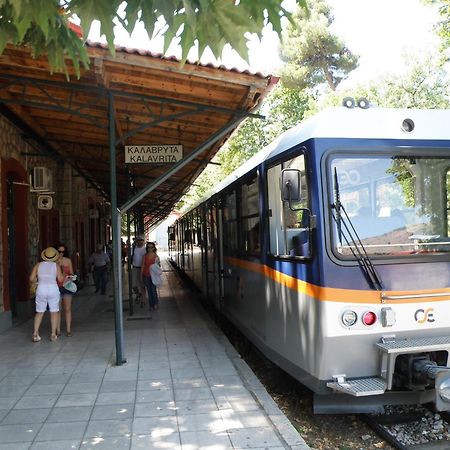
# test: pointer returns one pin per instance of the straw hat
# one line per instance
(50, 254)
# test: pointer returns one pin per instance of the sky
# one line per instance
(379, 31)
(382, 31)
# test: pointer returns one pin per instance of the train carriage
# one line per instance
(330, 250)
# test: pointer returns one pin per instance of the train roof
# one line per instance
(352, 123)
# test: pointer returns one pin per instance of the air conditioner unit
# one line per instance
(42, 179)
(45, 202)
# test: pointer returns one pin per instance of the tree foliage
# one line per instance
(312, 54)
(283, 109)
(443, 27)
(424, 85)
(44, 24)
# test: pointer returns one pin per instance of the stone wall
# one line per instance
(70, 199)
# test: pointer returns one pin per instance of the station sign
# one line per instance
(153, 154)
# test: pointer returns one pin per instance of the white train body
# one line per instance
(330, 250)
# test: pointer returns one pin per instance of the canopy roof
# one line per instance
(153, 100)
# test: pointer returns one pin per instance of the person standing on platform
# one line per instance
(150, 258)
(66, 296)
(100, 263)
(47, 273)
(137, 258)
(123, 251)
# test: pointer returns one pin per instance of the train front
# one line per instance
(386, 233)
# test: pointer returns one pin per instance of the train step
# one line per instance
(358, 387)
(413, 345)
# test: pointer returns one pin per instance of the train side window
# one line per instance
(288, 229)
(250, 217)
(230, 242)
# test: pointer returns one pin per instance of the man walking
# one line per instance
(100, 263)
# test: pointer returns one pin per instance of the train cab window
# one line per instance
(230, 243)
(250, 217)
(397, 205)
(288, 222)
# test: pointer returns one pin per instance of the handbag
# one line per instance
(33, 287)
(155, 274)
(70, 286)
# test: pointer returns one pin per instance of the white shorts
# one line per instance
(47, 295)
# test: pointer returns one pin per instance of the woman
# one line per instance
(47, 273)
(150, 258)
(65, 264)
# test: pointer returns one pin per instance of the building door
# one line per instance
(14, 236)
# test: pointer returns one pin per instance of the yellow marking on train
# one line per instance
(335, 294)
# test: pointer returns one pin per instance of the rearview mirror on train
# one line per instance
(291, 190)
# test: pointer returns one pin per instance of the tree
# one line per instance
(283, 109)
(443, 27)
(424, 85)
(312, 54)
(45, 25)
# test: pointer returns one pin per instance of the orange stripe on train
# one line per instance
(334, 294)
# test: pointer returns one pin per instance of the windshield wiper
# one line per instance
(351, 236)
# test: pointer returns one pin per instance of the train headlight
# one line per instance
(369, 318)
(349, 318)
(442, 385)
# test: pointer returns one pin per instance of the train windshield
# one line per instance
(398, 206)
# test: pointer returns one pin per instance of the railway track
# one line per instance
(412, 429)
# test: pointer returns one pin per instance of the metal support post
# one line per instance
(130, 279)
(115, 222)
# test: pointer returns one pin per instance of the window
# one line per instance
(288, 223)
(398, 205)
(230, 243)
(250, 217)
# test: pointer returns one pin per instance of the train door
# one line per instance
(219, 285)
(290, 252)
(212, 255)
(230, 239)
(202, 242)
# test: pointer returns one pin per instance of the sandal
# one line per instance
(53, 337)
(69, 334)
(35, 338)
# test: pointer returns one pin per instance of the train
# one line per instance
(329, 250)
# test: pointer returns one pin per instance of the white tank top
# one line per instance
(47, 273)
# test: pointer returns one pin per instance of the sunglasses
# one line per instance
(61, 251)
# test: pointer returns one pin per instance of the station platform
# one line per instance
(183, 387)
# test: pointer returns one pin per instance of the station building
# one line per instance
(62, 150)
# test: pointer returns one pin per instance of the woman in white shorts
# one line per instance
(47, 273)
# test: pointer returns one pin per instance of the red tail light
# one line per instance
(369, 318)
